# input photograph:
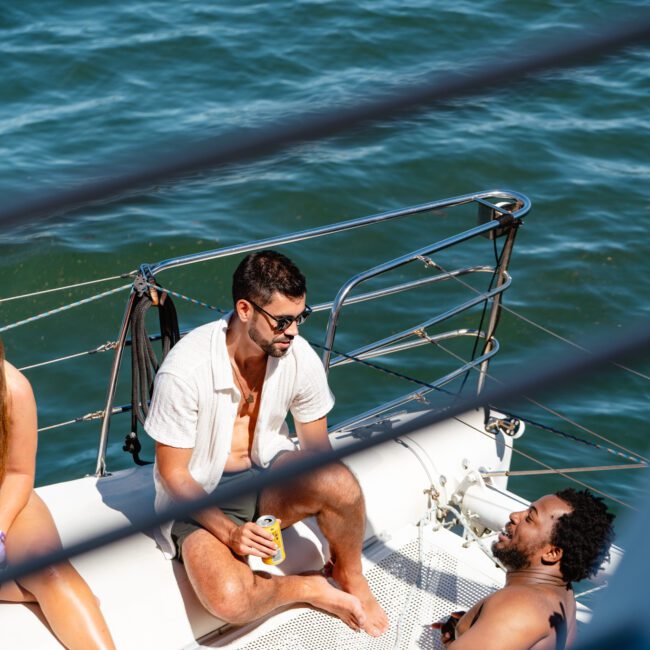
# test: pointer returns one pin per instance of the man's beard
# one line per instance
(512, 558)
(269, 346)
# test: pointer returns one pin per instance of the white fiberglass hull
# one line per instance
(147, 600)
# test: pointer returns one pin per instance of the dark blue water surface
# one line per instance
(85, 85)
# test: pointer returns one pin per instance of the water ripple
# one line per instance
(82, 85)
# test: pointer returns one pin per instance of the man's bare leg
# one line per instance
(229, 590)
(334, 496)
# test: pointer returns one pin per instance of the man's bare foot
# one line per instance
(376, 620)
(321, 594)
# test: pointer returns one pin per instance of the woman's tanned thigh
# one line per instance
(33, 532)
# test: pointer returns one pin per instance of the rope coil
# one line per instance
(144, 363)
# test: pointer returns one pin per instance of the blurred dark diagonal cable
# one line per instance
(630, 341)
(512, 64)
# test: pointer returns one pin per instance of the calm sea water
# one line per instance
(84, 84)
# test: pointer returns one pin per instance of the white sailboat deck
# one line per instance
(418, 574)
(417, 579)
(419, 570)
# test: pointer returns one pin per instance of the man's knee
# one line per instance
(338, 485)
(222, 583)
(229, 601)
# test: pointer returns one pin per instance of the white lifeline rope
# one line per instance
(105, 347)
(433, 264)
(70, 286)
(58, 310)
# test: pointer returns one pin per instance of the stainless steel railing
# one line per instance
(498, 210)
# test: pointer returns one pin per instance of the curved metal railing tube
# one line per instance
(343, 226)
(100, 468)
(454, 311)
(406, 286)
(300, 236)
(357, 420)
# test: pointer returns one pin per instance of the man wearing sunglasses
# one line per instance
(218, 415)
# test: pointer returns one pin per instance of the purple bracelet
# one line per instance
(3, 551)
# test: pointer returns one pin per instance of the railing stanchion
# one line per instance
(100, 469)
(495, 311)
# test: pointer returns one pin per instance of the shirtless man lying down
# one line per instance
(561, 538)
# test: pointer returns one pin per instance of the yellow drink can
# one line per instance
(270, 523)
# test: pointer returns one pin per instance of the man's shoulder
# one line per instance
(529, 599)
(303, 350)
(192, 352)
(516, 616)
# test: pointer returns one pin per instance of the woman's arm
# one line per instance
(18, 481)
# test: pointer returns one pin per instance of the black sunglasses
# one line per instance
(284, 322)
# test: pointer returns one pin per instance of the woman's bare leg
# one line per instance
(67, 602)
(13, 593)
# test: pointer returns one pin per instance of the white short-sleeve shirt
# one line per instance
(195, 401)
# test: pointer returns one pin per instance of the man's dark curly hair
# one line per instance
(584, 535)
(259, 275)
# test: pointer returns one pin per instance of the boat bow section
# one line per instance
(147, 600)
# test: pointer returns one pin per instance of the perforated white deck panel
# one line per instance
(412, 597)
(133, 576)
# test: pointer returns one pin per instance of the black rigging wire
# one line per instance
(497, 268)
